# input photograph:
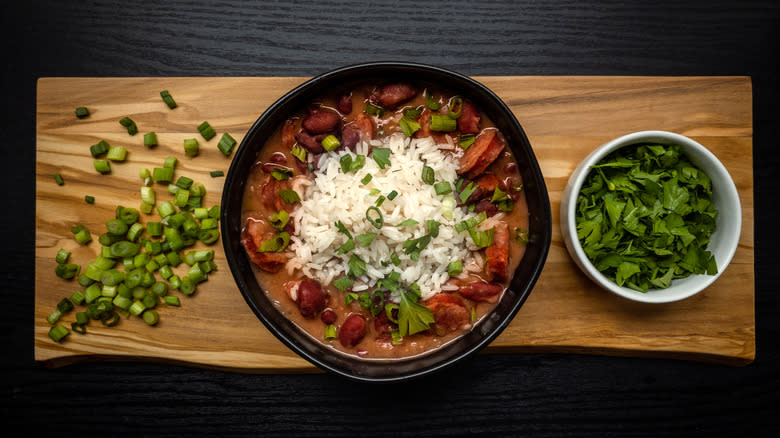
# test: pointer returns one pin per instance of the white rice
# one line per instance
(335, 196)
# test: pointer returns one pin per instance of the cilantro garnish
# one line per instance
(645, 216)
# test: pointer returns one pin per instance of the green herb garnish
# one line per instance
(381, 156)
(645, 216)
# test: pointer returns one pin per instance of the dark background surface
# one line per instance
(521, 394)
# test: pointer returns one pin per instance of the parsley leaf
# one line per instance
(381, 156)
(412, 316)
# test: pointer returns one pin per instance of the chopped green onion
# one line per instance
(378, 220)
(374, 192)
(117, 153)
(82, 112)
(330, 143)
(455, 108)
(379, 201)
(409, 126)
(277, 243)
(348, 246)
(466, 193)
(137, 308)
(162, 174)
(89, 199)
(128, 123)
(208, 236)
(279, 219)
(206, 131)
(442, 187)
(170, 162)
(216, 173)
(197, 189)
(455, 268)
(187, 286)
(366, 179)
(330, 332)
(482, 239)
(226, 144)
(374, 110)
(150, 139)
(395, 259)
(350, 297)
(428, 175)
(413, 113)
(82, 236)
(98, 148)
(521, 236)
(466, 140)
(166, 97)
(392, 195)
(281, 174)
(62, 256)
(442, 123)
(181, 198)
(191, 147)
(166, 209)
(430, 102)
(289, 196)
(58, 179)
(172, 300)
(299, 153)
(58, 333)
(102, 166)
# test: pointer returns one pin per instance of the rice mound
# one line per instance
(335, 196)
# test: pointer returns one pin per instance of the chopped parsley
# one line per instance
(645, 216)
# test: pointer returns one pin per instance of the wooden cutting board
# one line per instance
(564, 117)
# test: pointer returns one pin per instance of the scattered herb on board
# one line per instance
(645, 215)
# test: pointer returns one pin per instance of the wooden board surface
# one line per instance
(564, 117)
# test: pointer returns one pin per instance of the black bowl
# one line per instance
(525, 275)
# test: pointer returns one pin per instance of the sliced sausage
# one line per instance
(481, 291)
(486, 148)
(352, 330)
(497, 254)
(253, 235)
(312, 299)
(392, 94)
(449, 312)
(468, 122)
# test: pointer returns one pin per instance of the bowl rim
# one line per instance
(577, 179)
(534, 267)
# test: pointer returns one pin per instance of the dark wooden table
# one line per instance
(539, 394)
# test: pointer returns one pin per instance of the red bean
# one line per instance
(350, 136)
(320, 121)
(311, 298)
(328, 316)
(309, 142)
(352, 330)
(345, 104)
(510, 167)
(392, 94)
(278, 158)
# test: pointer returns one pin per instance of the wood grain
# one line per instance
(564, 117)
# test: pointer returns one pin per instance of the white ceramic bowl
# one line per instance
(723, 242)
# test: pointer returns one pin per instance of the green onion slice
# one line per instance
(376, 219)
